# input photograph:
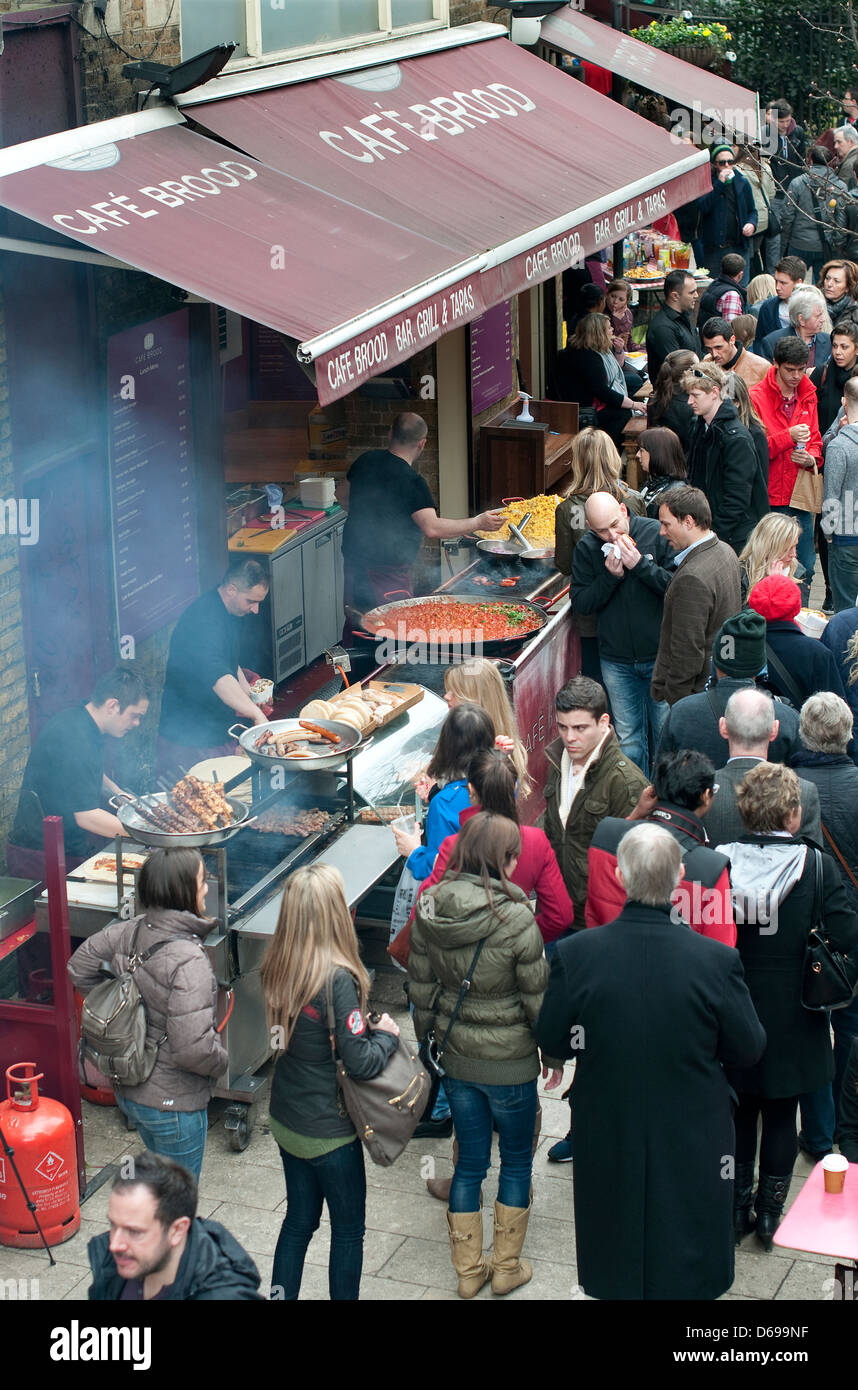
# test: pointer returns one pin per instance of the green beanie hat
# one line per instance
(739, 649)
(719, 149)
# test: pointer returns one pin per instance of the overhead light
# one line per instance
(172, 81)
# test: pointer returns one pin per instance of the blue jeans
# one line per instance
(178, 1134)
(634, 710)
(820, 1110)
(843, 573)
(474, 1107)
(805, 548)
(338, 1178)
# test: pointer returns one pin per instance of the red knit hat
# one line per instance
(776, 598)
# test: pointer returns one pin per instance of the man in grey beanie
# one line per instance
(738, 658)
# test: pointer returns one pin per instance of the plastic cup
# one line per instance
(406, 824)
(834, 1168)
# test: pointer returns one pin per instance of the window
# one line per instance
(263, 28)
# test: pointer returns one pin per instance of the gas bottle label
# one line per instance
(51, 1167)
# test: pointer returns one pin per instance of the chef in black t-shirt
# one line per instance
(65, 776)
(390, 511)
(205, 688)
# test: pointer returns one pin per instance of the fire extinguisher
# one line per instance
(38, 1164)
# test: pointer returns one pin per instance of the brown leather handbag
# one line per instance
(385, 1110)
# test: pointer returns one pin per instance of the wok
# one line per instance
(248, 738)
(140, 829)
(377, 619)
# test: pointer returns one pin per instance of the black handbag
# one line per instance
(830, 976)
(430, 1052)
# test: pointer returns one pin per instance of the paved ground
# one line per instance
(406, 1250)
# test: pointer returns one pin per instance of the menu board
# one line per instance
(153, 508)
(491, 357)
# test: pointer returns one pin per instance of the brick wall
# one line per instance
(138, 27)
(470, 11)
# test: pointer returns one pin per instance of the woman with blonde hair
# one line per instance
(761, 287)
(771, 548)
(315, 950)
(596, 467)
(480, 682)
(588, 372)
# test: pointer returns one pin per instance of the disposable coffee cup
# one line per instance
(261, 691)
(834, 1168)
(406, 824)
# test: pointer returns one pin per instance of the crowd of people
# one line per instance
(698, 823)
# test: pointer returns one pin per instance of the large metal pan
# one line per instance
(377, 619)
(141, 830)
(247, 738)
(508, 550)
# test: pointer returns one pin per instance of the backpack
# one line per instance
(114, 1025)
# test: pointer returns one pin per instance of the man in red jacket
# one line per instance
(681, 794)
(785, 401)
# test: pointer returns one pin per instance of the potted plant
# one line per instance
(704, 44)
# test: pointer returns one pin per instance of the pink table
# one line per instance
(824, 1223)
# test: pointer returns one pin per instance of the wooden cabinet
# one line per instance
(525, 460)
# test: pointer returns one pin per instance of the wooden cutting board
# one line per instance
(405, 696)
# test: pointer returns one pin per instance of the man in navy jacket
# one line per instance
(729, 215)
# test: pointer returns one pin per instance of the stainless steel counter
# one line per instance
(362, 853)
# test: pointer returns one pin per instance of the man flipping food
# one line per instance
(65, 775)
(205, 688)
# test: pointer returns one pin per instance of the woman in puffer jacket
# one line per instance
(491, 1061)
(179, 989)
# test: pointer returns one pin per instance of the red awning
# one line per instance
(700, 92)
(364, 215)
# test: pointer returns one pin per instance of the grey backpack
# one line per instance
(114, 1025)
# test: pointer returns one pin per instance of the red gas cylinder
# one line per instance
(40, 1133)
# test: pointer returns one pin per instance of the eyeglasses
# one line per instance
(699, 373)
(724, 163)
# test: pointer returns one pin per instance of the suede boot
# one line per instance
(743, 1200)
(466, 1251)
(440, 1187)
(509, 1269)
(771, 1197)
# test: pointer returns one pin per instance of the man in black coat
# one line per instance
(671, 327)
(738, 656)
(789, 274)
(621, 568)
(722, 458)
(652, 1012)
(158, 1248)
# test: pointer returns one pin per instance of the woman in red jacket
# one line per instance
(785, 401)
(491, 786)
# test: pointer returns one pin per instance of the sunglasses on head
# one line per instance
(699, 373)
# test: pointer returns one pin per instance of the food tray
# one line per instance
(539, 531)
(92, 874)
(406, 696)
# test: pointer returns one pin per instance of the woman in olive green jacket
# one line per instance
(491, 1061)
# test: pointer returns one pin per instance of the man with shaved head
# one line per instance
(621, 568)
(749, 726)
